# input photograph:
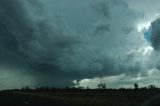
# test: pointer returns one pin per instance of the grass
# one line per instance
(91, 97)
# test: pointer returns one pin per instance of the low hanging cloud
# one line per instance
(155, 37)
(52, 52)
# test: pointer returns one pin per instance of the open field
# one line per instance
(81, 98)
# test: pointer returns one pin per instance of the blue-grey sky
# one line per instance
(79, 42)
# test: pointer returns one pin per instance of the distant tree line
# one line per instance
(100, 86)
(136, 86)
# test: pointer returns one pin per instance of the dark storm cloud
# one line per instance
(54, 55)
(102, 9)
(155, 34)
(12, 18)
(34, 44)
(102, 28)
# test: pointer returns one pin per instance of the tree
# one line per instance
(151, 86)
(26, 88)
(101, 85)
(87, 87)
(136, 86)
(80, 87)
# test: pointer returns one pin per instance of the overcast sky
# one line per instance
(79, 43)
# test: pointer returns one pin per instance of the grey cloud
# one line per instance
(155, 37)
(52, 54)
(102, 9)
(33, 43)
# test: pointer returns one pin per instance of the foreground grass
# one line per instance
(94, 97)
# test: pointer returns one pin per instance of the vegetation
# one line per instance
(80, 96)
(100, 86)
(135, 86)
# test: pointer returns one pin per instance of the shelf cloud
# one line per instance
(52, 43)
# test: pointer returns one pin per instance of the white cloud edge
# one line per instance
(123, 80)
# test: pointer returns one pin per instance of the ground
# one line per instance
(81, 98)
